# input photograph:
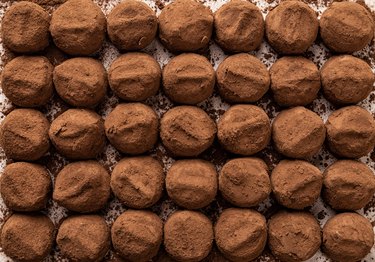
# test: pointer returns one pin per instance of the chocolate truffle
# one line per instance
(188, 79)
(192, 184)
(185, 26)
(244, 182)
(24, 28)
(293, 236)
(295, 81)
(292, 27)
(348, 185)
(296, 184)
(244, 129)
(188, 236)
(27, 81)
(83, 238)
(346, 79)
(27, 237)
(138, 181)
(81, 81)
(239, 26)
(132, 128)
(351, 132)
(82, 186)
(132, 25)
(24, 135)
(347, 237)
(78, 134)
(134, 76)
(346, 27)
(298, 132)
(242, 78)
(78, 27)
(137, 235)
(241, 234)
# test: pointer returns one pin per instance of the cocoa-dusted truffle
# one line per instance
(188, 79)
(134, 76)
(78, 27)
(187, 130)
(295, 81)
(346, 79)
(132, 128)
(351, 132)
(292, 27)
(241, 234)
(346, 27)
(347, 237)
(27, 81)
(192, 184)
(132, 25)
(293, 236)
(348, 185)
(244, 129)
(185, 26)
(27, 237)
(24, 135)
(24, 28)
(137, 235)
(84, 238)
(81, 82)
(296, 184)
(239, 26)
(242, 78)
(188, 229)
(82, 186)
(298, 132)
(138, 181)
(244, 182)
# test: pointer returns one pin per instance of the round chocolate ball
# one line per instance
(188, 79)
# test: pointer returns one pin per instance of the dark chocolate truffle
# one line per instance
(78, 134)
(239, 26)
(27, 238)
(134, 76)
(295, 81)
(138, 181)
(298, 132)
(185, 26)
(192, 184)
(347, 237)
(293, 236)
(84, 238)
(132, 128)
(78, 27)
(188, 236)
(346, 27)
(82, 186)
(137, 235)
(292, 27)
(351, 132)
(187, 130)
(27, 81)
(242, 78)
(24, 135)
(24, 28)
(346, 79)
(132, 25)
(188, 79)
(241, 234)
(244, 129)
(81, 82)
(296, 184)
(348, 185)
